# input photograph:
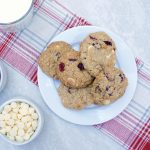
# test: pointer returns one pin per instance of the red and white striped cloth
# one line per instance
(21, 50)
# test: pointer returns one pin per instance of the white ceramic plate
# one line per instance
(95, 114)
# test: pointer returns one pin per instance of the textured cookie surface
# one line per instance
(49, 58)
(108, 86)
(97, 51)
(71, 71)
(75, 98)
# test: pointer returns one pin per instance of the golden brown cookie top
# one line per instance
(75, 98)
(71, 71)
(109, 85)
(49, 58)
(97, 51)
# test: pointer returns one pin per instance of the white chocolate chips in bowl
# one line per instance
(20, 121)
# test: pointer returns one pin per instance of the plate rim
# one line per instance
(135, 67)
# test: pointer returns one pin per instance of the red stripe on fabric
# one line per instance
(27, 47)
(63, 7)
(137, 60)
(69, 24)
(36, 2)
(33, 78)
(133, 116)
(76, 21)
(147, 146)
(18, 62)
(129, 118)
(7, 40)
(51, 15)
(117, 129)
(142, 136)
(144, 76)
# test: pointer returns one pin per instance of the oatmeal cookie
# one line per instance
(75, 98)
(97, 51)
(108, 86)
(71, 71)
(48, 59)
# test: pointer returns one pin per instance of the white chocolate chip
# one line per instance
(31, 133)
(26, 137)
(3, 131)
(11, 137)
(1, 117)
(25, 128)
(30, 118)
(20, 125)
(7, 116)
(19, 139)
(14, 116)
(21, 132)
(16, 110)
(106, 102)
(35, 116)
(13, 132)
(7, 108)
(34, 125)
(24, 119)
(22, 104)
(10, 122)
(28, 125)
(2, 124)
(31, 110)
(30, 130)
(13, 105)
(4, 112)
(23, 111)
(7, 128)
(25, 106)
(15, 128)
(19, 116)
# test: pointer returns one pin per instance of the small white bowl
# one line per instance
(3, 76)
(40, 120)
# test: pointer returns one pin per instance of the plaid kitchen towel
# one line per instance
(21, 50)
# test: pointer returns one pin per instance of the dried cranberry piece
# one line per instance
(92, 38)
(110, 94)
(108, 78)
(122, 76)
(80, 66)
(72, 59)
(61, 67)
(69, 90)
(107, 88)
(97, 89)
(108, 43)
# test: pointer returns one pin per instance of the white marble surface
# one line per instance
(128, 18)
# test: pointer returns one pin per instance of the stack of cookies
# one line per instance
(88, 76)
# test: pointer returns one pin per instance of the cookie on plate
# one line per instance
(75, 98)
(71, 71)
(48, 59)
(97, 51)
(108, 86)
